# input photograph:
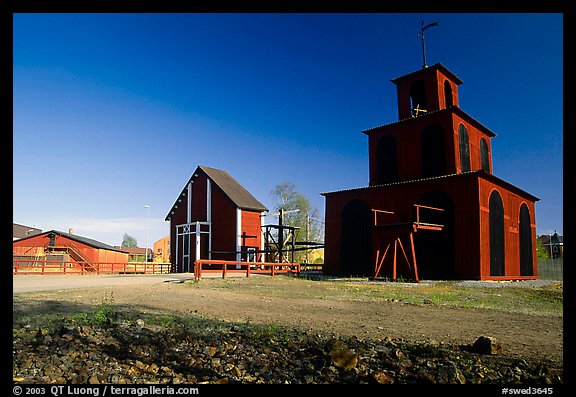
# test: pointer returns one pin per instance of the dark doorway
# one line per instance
(387, 160)
(526, 259)
(496, 234)
(433, 151)
(356, 239)
(435, 249)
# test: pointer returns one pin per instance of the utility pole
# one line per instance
(280, 235)
(307, 237)
(147, 226)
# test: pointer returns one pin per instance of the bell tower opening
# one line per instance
(426, 90)
(448, 94)
(418, 97)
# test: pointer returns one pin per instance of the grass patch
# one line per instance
(545, 300)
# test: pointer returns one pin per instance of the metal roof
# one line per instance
(84, 240)
(237, 193)
(479, 173)
(456, 109)
(438, 66)
(20, 231)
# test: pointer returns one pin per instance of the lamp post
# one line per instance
(147, 225)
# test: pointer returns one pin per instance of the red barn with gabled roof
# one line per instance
(214, 217)
(433, 209)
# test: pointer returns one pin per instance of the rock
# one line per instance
(209, 351)
(398, 354)
(450, 374)
(341, 355)
(381, 377)
(126, 354)
(93, 380)
(487, 345)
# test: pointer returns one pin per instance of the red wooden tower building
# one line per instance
(433, 209)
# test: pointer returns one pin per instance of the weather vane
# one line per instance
(422, 35)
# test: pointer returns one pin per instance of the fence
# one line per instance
(551, 269)
(44, 267)
(216, 266)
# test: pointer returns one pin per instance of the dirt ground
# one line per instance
(522, 336)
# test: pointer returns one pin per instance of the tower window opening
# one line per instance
(484, 158)
(418, 97)
(464, 148)
(448, 94)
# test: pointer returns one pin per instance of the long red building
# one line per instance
(433, 208)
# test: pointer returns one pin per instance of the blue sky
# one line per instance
(115, 111)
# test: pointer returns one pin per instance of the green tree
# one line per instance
(541, 252)
(129, 241)
(287, 198)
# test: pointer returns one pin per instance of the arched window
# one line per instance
(433, 151)
(448, 94)
(464, 148)
(496, 208)
(525, 234)
(484, 158)
(356, 239)
(387, 160)
(417, 96)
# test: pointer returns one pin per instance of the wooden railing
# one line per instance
(44, 267)
(248, 268)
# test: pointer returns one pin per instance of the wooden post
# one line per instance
(394, 264)
(414, 257)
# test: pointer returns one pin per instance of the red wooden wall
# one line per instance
(97, 255)
(512, 202)
(409, 148)
(469, 193)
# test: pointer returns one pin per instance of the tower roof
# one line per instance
(437, 66)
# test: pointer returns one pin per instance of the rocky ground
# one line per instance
(132, 351)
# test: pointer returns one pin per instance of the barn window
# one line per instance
(496, 209)
(464, 148)
(433, 151)
(356, 239)
(417, 96)
(387, 160)
(484, 155)
(448, 93)
(525, 242)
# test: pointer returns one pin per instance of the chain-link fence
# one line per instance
(551, 269)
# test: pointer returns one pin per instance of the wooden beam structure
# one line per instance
(402, 230)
